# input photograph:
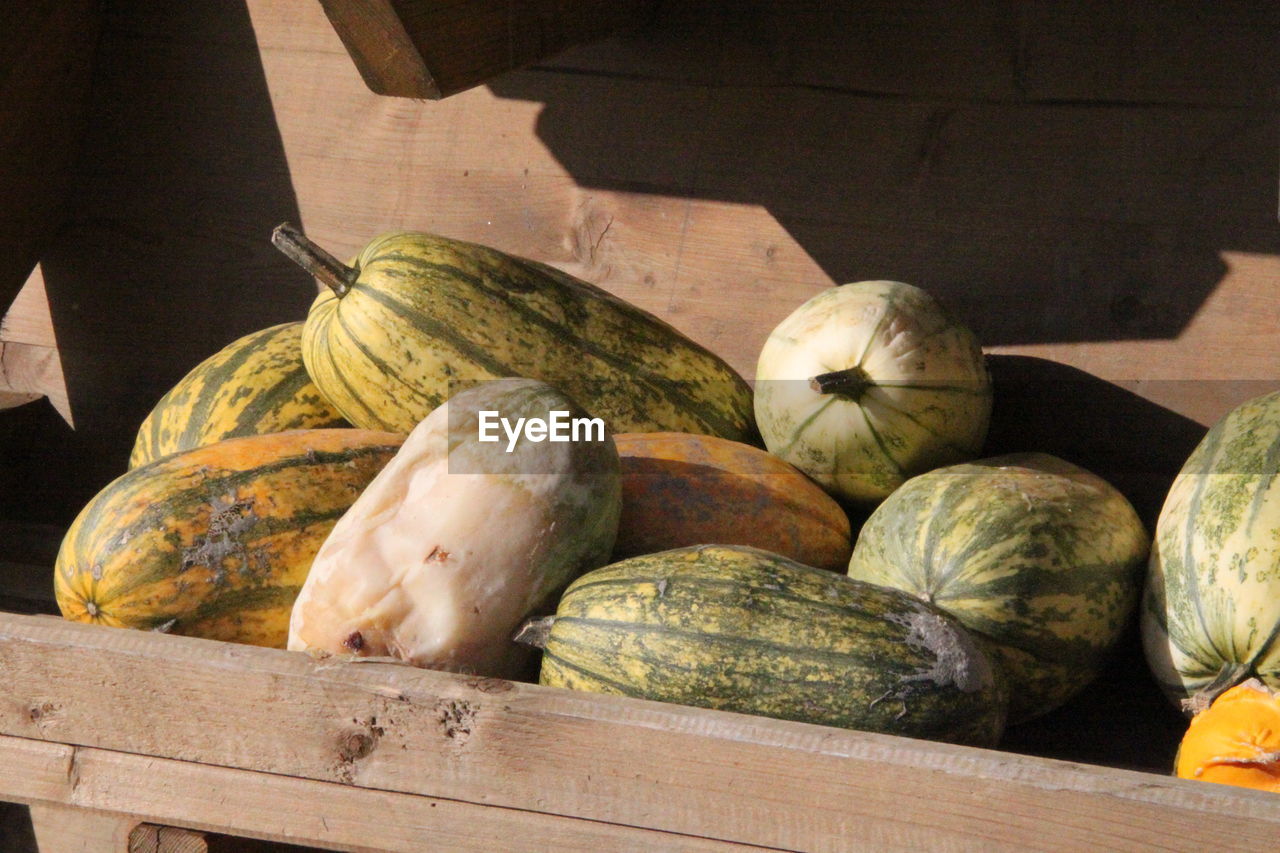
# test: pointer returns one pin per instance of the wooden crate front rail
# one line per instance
(279, 745)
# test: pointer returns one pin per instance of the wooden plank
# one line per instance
(432, 49)
(552, 752)
(150, 838)
(48, 48)
(297, 811)
(1143, 52)
(1134, 243)
(62, 829)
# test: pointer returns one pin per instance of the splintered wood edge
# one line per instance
(299, 811)
(384, 54)
(614, 760)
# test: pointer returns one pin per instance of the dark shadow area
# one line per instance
(165, 255)
(1122, 719)
(16, 835)
(1053, 175)
(1136, 445)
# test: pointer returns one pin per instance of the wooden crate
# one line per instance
(1096, 204)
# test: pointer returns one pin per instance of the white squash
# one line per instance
(457, 541)
(868, 384)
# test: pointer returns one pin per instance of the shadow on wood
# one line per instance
(167, 245)
(15, 829)
(1052, 175)
(1133, 443)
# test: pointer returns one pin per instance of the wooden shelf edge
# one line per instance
(610, 760)
(142, 789)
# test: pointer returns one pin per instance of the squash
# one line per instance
(1236, 740)
(681, 489)
(740, 629)
(419, 316)
(1039, 556)
(457, 541)
(1211, 612)
(868, 384)
(214, 542)
(254, 385)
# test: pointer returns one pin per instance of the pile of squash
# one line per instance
(339, 485)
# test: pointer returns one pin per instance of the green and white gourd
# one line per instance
(1038, 555)
(868, 384)
(1211, 612)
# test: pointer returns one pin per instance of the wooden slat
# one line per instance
(102, 783)
(432, 48)
(552, 752)
(1140, 52)
(48, 49)
(1133, 243)
(61, 829)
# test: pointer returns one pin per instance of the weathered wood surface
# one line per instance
(285, 809)
(550, 754)
(1093, 188)
(431, 49)
(62, 829)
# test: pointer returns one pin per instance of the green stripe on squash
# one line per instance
(420, 315)
(745, 630)
(255, 385)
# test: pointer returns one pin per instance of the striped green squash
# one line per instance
(419, 317)
(739, 629)
(868, 384)
(1038, 555)
(215, 542)
(252, 386)
(1211, 610)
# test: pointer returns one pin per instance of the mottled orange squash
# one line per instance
(1236, 740)
(215, 542)
(680, 489)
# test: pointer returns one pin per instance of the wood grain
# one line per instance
(549, 752)
(55, 776)
(48, 47)
(62, 829)
(1079, 220)
(431, 49)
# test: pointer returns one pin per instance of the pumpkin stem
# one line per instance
(535, 632)
(1229, 676)
(851, 383)
(329, 270)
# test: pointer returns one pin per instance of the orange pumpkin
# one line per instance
(1236, 740)
(680, 489)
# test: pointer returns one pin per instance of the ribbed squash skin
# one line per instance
(215, 542)
(739, 629)
(680, 489)
(252, 386)
(923, 395)
(429, 316)
(1211, 612)
(1038, 555)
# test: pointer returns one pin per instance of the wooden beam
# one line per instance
(102, 784)
(64, 829)
(558, 753)
(434, 48)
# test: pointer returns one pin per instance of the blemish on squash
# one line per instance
(354, 641)
(957, 660)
